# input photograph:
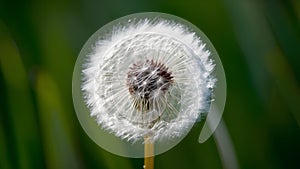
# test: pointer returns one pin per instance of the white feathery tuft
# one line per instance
(174, 110)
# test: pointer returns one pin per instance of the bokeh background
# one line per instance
(258, 43)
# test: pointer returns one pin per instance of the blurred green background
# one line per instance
(258, 43)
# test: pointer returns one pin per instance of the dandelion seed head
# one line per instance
(148, 78)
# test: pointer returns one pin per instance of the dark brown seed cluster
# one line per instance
(145, 80)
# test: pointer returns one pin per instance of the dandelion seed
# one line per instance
(148, 77)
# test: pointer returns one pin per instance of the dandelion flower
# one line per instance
(147, 76)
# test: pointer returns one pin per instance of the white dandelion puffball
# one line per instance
(144, 76)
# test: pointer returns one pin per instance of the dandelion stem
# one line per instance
(148, 154)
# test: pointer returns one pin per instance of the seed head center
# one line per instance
(147, 80)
